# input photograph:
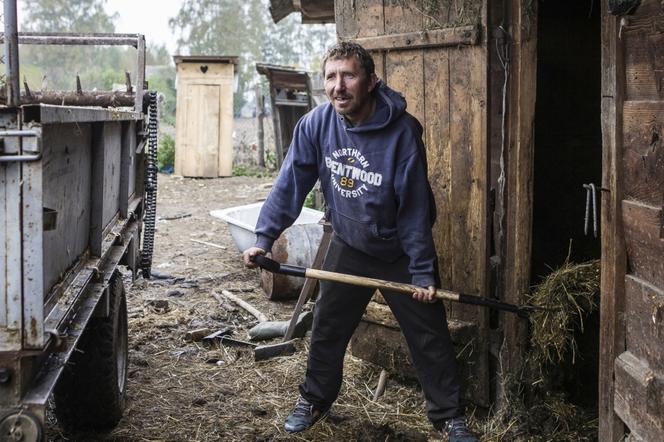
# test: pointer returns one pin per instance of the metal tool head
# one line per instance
(263, 352)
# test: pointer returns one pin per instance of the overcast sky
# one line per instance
(148, 17)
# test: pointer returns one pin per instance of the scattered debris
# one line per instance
(156, 274)
(175, 292)
(211, 244)
(196, 335)
(159, 305)
(174, 217)
(245, 305)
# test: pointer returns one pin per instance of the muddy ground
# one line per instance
(190, 391)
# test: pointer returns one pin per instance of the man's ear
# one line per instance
(373, 80)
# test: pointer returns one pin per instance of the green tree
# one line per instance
(245, 28)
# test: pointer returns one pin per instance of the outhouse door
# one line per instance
(437, 58)
(632, 306)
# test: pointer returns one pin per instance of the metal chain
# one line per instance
(150, 213)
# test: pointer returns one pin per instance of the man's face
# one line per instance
(348, 86)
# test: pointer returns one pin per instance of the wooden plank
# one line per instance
(468, 210)
(645, 247)
(98, 148)
(612, 333)
(359, 18)
(225, 134)
(111, 173)
(644, 58)
(639, 397)
(439, 151)
(469, 170)
(644, 321)
(67, 163)
(201, 146)
(402, 17)
(643, 155)
(519, 181)
(463, 35)
(405, 73)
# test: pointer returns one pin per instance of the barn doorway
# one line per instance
(568, 154)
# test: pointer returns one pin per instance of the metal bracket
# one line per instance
(33, 155)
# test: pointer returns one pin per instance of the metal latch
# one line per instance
(28, 155)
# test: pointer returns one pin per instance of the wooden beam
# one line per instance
(519, 184)
(612, 288)
(462, 35)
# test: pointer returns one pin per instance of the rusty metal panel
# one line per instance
(10, 228)
(33, 247)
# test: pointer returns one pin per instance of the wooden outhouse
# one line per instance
(523, 103)
(204, 115)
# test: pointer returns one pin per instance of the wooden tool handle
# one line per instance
(376, 283)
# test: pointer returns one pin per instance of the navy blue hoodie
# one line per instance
(373, 177)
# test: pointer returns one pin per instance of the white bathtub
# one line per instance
(297, 245)
(242, 222)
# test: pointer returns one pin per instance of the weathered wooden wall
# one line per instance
(631, 364)
(435, 53)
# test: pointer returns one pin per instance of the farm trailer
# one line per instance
(77, 200)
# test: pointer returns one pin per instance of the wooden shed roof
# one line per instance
(206, 59)
(284, 76)
(313, 11)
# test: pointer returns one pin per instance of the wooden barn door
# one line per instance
(632, 310)
(435, 54)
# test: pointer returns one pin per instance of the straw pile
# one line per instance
(536, 407)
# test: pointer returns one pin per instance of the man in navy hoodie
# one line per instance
(368, 154)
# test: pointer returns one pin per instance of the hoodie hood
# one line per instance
(390, 106)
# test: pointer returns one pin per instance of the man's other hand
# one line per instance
(247, 254)
(425, 294)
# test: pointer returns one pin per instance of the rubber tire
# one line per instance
(90, 394)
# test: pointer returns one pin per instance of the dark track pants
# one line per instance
(338, 311)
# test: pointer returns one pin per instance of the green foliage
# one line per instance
(270, 159)
(243, 170)
(245, 28)
(310, 200)
(166, 151)
(163, 80)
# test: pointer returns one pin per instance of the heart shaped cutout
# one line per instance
(204, 68)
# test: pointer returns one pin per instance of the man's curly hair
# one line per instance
(346, 49)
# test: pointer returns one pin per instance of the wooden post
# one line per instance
(519, 188)
(260, 113)
(612, 288)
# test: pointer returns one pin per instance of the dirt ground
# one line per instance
(191, 391)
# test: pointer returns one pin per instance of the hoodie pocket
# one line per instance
(366, 236)
(384, 233)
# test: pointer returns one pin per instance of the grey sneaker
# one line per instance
(456, 430)
(303, 416)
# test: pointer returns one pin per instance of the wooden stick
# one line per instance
(382, 382)
(222, 303)
(245, 305)
(211, 244)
